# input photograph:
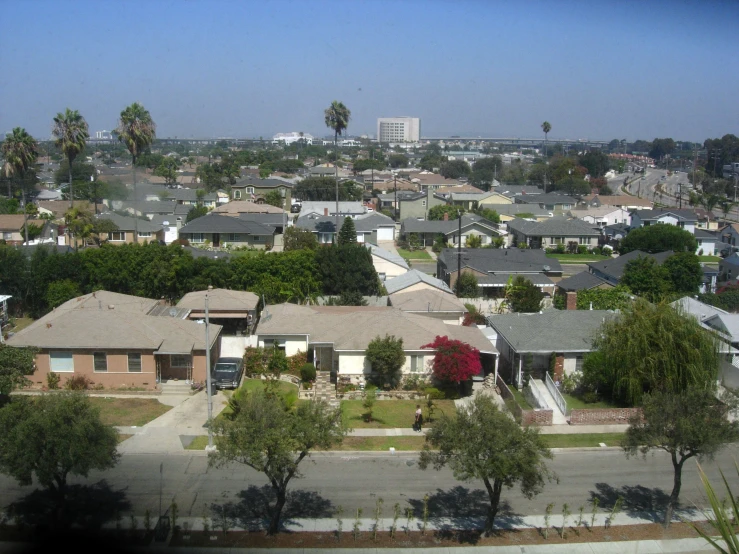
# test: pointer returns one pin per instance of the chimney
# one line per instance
(446, 216)
(571, 301)
(325, 211)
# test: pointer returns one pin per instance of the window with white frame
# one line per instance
(237, 195)
(144, 235)
(233, 237)
(100, 362)
(118, 236)
(250, 190)
(179, 360)
(557, 240)
(134, 362)
(584, 240)
(197, 237)
(61, 362)
(416, 363)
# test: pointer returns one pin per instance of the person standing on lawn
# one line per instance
(419, 419)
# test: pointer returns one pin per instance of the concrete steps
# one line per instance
(325, 390)
(175, 388)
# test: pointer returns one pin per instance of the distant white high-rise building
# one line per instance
(289, 138)
(398, 129)
(103, 135)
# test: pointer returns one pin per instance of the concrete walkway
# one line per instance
(558, 418)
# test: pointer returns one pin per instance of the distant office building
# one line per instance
(398, 129)
(289, 138)
(103, 135)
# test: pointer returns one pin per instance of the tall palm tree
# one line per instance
(546, 127)
(337, 117)
(137, 130)
(71, 133)
(20, 151)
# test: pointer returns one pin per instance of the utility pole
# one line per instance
(459, 248)
(395, 186)
(208, 379)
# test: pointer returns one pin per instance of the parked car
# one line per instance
(228, 373)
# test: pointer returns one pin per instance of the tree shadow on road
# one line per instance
(255, 506)
(646, 502)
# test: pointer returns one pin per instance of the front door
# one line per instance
(216, 239)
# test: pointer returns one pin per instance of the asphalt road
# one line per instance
(355, 481)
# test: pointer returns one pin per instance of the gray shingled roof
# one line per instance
(501, 279)
(685, 215)
(503, 260)
(555, 226)
(427, 301)
(581, 281)
(129, 223)
(413, 277)
(615, 266)
(550, 331)
(393, 257)
(515, 209)
(255, 182)
(518, 190)
(413, 225)
(549, 198)
(214, 223)
(327, 224)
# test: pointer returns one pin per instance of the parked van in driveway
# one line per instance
(228, 372)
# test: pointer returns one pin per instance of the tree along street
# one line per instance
(355, 481)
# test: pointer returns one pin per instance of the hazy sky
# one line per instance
(594, 69)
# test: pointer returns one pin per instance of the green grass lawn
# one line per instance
(714, 259)
(575, 403)
(390, 413)
(415, 255)
(20, 323)
(285, 390)
(129, 412)
(521, 399)
(577, 258)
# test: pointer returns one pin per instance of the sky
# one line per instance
(595, 70)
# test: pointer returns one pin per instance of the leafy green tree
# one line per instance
(485, 171)
(652, 348)
(467, 286)
(299, 239)
(523, 296)
(692, 423)
(347, 267)
(643, 276)
(659, 238)
(455, 169)
(61, 291)
(596, 162)
(323, 189)
(473, 241)
(363, 165)
(437, 212)
(136, 130)
(398, 160)
(661, 148)
(196, 212)
(386, 358)
(440, 243)
(51, 437)
(483, 443)
(348, 232)
(70, 132)
(80, 175)
(491, 215)
(685, 272)
(274, 198)
(167, 168)
(15, 365)
(263, 435)
(615, 298)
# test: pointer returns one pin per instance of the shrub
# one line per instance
(435, 394)
(52, 380)
(308, 372)
(582, 249)
(413, 382)
(78, 382)
(296, 362)
(590, 397)
(255, 361)
(559, 249)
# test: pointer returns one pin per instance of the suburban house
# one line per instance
(428, 180)
(234, 310)
(507, 212)
(612, 270)
(57, 208)
(729, 267)
(685, 219)
(237, 207)
(114, 340)
(147, 230)
(387, 264)
(254, 189)
(336, 337)
(418, 204)
(624, 201)
(602, 216)
(371, 227)
(472, 225)
(706, 220)
(513, 191)
(583, 281)
(346, 208)
(615, 232)
(11, 227)
(185, 196)
(151, 208)
(708, 244)
(552, 201)
(494, 267)
(418, 292)
(221, 230)
(729, 238)
(493, 199)
(551, 232)
(470, 201)
(527, 342)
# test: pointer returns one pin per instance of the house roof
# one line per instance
(503, 260)
(704, 235)
(653, 215)
(12, 222)
(179, 194)
(593, 211)
(365, 223)
(414, 277)
(389, 256)
(428, 178)
(59, 207)
(730, 260)
(581, 281)
(125, 223)
(550, 331)
(251, 181)
(515, 209)
(518, 190)
(549, 198)
(414, 225)
(427, 300)
(220, 300)
(696, 308)
(555, 226)
(237, 207)
(463, 192)
(273, 220)
(345, 208)
(500, 279)
(152, 206)
(727, 324)
(352, 328)
(617, 200)
(615, 267)
(216, 223)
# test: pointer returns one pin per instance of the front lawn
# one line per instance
(129, 412)
(391, 413)
(414, 255)
(709, 259)
(578, 258)
(521, 399)
(575, 403)
(287, 390)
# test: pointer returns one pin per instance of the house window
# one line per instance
(197, 237)
(237, 195)
(61, 362)
(233, 237)
(179, 361)
(144, 235)
(256, 238)
(584, 240)
(100, 361)
(118, 236)
(416, 364)
(249, 190)
(423, 203)
(578, 363)
(134, 363)
(557, 240)
(7, 236)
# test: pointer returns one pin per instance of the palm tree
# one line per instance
(71, 132)
(337, 117)
(20, 151)
(137, 130)
(546, 127)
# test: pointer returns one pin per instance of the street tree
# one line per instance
(347, 267)
(20, 151)
(659, 238)
(651, 348)
(661, 148)
(523, 296)
(692, 423)
(596, 162)
(386, 358)
(483, 443)
(299, 239)
(136, 130)
(454, 361)
(466, 286)
(71, 133)
(274, 198)
(454, 169)
(51, 437)
(323, 189)
(15, 365)
(348, 232)
(266, 436)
